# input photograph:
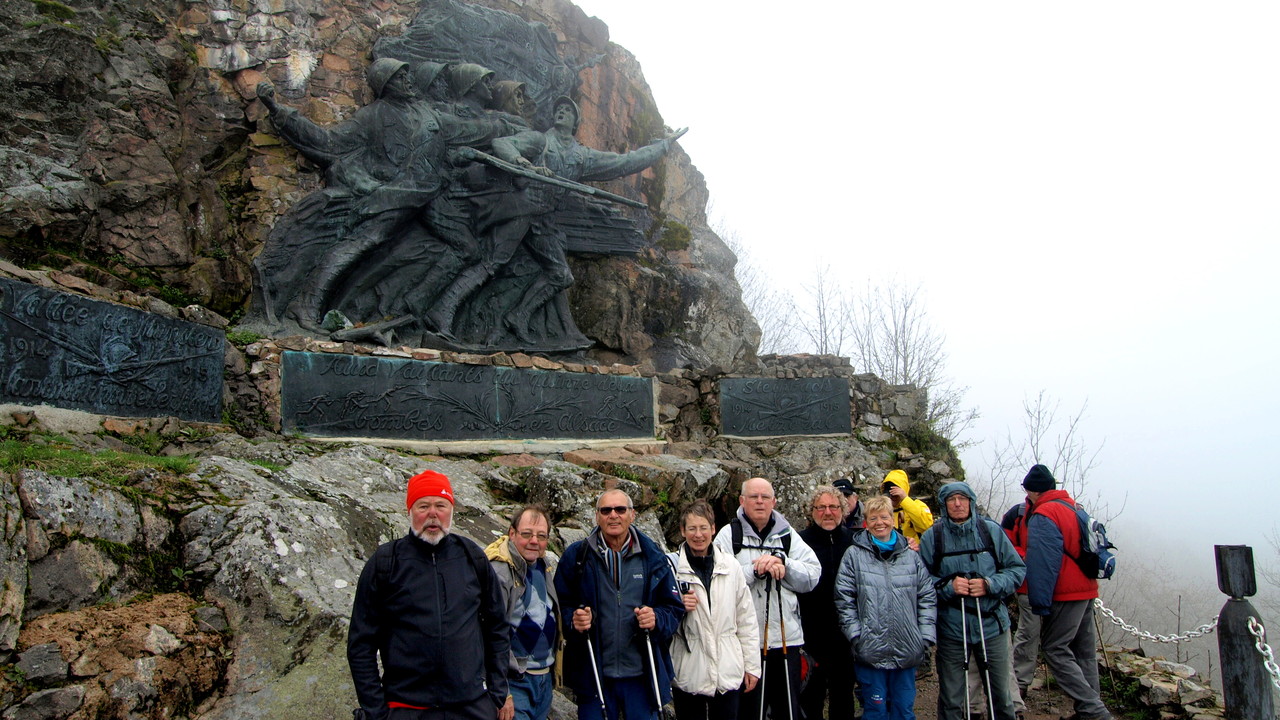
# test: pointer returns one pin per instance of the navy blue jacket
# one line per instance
(580, 581)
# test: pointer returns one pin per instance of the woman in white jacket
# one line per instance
(716, 652)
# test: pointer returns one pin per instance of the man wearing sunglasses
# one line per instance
(519, 562)
(626, 608)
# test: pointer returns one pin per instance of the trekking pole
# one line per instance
(786, 667)
(1106, 656)
(595, 671)
(964, 637)
(653, 672)
(764, 646)
(986, 666)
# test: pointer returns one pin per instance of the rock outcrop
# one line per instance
(255, 553)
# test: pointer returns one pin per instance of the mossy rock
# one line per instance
(675, 236)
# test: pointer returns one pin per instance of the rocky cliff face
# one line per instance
(135, 155)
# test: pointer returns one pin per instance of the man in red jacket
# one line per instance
(1026, 641)
(1062, 594)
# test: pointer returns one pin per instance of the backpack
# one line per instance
(984, 534)
(1094, 556)
(735, 530)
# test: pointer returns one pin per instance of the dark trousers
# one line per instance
(777, 670)
(1067, 641)
(632, 696)
(721, 706)
(831, 680)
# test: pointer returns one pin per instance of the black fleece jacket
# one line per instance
(818, 606)
(441, 631)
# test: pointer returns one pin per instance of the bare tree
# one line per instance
(885, 330)
(892, 336)
(773, 309)
(824, 319)
(1051, 439)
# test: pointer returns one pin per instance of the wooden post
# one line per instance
(1246, 686)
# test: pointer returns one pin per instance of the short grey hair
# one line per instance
(623, 493)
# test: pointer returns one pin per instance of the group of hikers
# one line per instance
(750, 618)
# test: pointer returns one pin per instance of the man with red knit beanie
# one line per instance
(1060, 592)
(429, 606)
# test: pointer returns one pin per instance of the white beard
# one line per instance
(431, 538)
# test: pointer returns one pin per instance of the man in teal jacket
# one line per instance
(976, 568)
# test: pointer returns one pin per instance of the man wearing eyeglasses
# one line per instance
(626, 608)
(830, 682)
(777, 564)
(519, 562)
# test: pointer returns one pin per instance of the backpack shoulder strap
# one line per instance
(479, 563)
(936, 564)
(736, 531)
(384, 562)
(1081, 522)
(988, 542)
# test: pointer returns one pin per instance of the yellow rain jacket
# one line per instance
(912, 516)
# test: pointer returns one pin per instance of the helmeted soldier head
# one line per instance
(567, 102)
(465, 78)
(427, 74)
(381, 72)
(512, 96)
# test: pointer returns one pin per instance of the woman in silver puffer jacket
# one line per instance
(887, 608)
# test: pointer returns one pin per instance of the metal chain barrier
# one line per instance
(1133, 630)
(1260, 641)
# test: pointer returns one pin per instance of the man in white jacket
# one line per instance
(776, 565)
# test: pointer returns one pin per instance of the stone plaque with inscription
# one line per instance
(332, 395)
(75, 352)
(756, 407)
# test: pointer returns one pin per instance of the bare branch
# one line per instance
(891, 336)
(773, 309)
(1056, 442)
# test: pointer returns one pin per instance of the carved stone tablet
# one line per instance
(756, 407)
(74, 352)
(331, 395)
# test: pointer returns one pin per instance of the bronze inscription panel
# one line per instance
(83, 354)
(331, 395)
(758, 407)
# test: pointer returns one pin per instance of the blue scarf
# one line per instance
(887, 545)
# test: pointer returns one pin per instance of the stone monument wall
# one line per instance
(688, 401)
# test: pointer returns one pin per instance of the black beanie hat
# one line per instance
(1039, 479)
(844, 485)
